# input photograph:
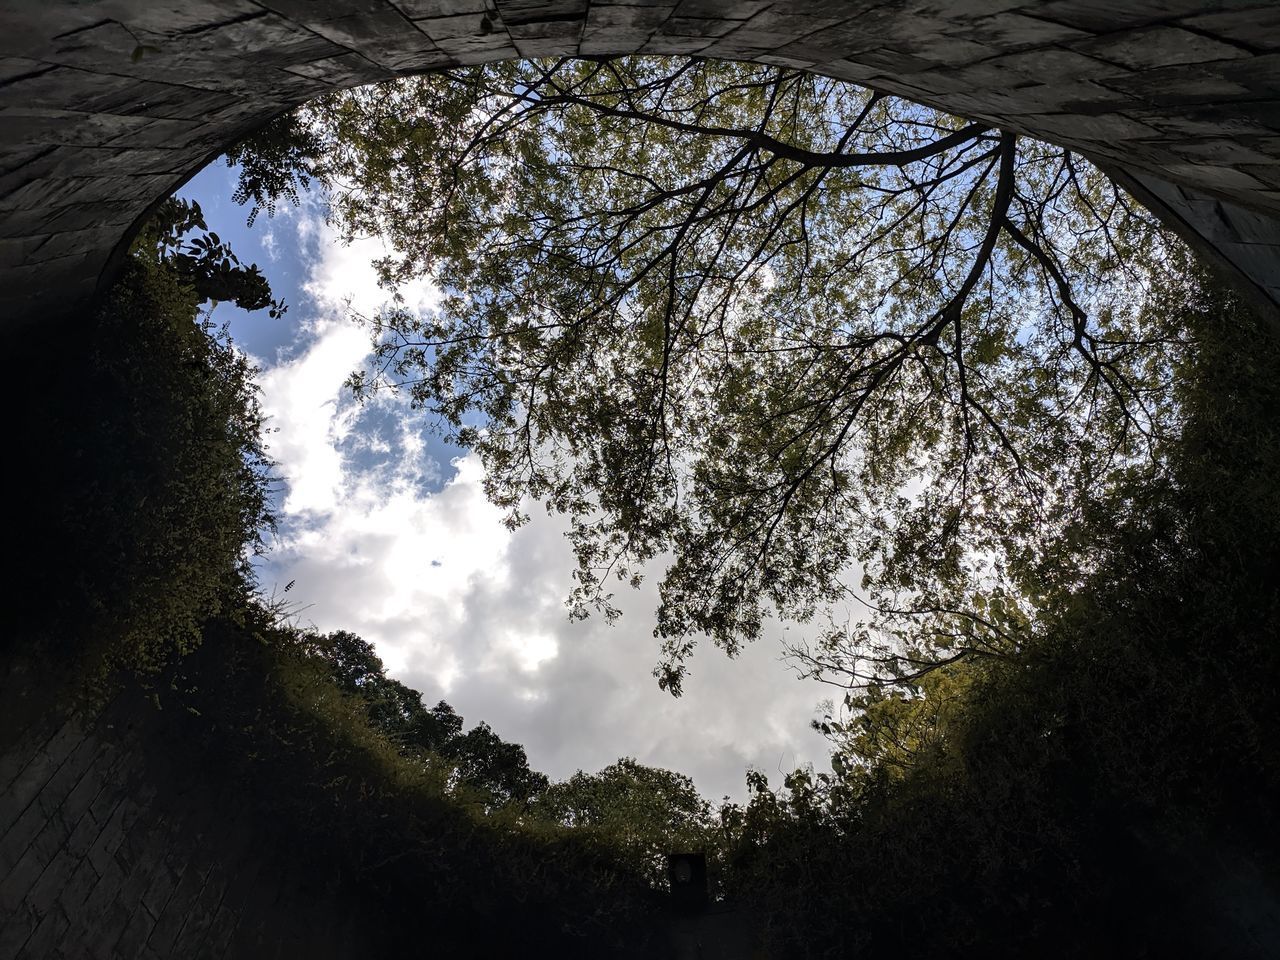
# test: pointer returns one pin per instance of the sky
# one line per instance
(385, 531)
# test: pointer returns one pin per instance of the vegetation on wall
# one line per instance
(154, 485)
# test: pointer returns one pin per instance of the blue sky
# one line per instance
(386, 532)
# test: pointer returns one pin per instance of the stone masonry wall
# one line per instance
(96, 862)
(108, 105)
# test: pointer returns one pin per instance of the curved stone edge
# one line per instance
(1242, 244)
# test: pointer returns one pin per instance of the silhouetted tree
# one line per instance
(780, 329)
(479, 758)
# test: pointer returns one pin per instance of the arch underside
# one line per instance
(106, 107)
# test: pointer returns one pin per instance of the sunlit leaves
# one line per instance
(776, 328)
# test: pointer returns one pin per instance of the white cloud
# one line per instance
(383, 541)
(302, 400)
(268, 243)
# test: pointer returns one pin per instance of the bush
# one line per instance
(148, 482)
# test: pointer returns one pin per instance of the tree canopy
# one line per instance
(641, 812)
(777, 332)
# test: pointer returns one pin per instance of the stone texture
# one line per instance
(107, 106)
(96, 862)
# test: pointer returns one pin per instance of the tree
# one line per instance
(775, 327)
(499, 771)
(642, 813)
(1065, 502)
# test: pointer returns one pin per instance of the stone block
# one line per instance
(1013, 31)
(106, 43)
(56, 875)
(849, 70)
(461, 25)
(20, 835)
(515, 12)
(16, 928)
(1260, 75)
(19, 880)
(48, 127)
(721, 9)
(78, 801)
(1177, 87)
(598, 43)
(776, 59)
(44, 939)
(1268, 173)
(1221, 150)
(82, 836)
(108, 798)
(1104, 127)
(485, 49)
(140, 870)
(1257, 28)
(15, 251)
(109, 837)
(135, 933)
(532, 48)
(173, 917)
(186, 18)
(1105, 16)
(696, 27)
(55, 792)
(347, 70)
(943, 49)
(104, 931)
(14, 69)
(777, 26)
(164, 882)
(1152, 48)
(639, 19)
(266, 40)
(431, 9)
(678, 46)
(76, 891)
(562, 32)
(735, 46)
(103, 893)
(1226, 179)
(201, 916)
(216, 940)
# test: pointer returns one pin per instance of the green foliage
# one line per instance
(639, 813)
(203, 262)
(492, 769)
(275, 161)
(777, 362)
(262, 707)
(154, 482)
(781, 330)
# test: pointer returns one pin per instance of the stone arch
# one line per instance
(107, 106)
